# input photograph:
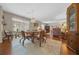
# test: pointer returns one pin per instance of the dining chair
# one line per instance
(42, 37)
(25, 35)
(7, 35)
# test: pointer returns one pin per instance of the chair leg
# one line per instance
(28, 38)
(44, 40)
(32, 40)
(40, 42)
(23, 41)
(20, 40)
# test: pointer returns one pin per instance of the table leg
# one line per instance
(40, 42)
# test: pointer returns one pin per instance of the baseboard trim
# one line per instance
(71, 48)
(0, 41)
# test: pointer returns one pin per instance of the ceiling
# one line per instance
(45, 12)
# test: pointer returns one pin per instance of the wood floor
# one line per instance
(65, 50)
(6, 49)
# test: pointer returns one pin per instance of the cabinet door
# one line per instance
(73, 41)
(72, 23)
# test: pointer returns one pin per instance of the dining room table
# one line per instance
(35, 35)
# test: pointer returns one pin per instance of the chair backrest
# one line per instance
(5, 33)
(23, 33)
(42, 33)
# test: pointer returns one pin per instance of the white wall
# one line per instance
(9, 22)
(57, 22)
(1, 25)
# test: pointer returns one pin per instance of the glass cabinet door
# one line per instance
(72, 19)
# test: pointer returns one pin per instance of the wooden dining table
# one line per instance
(32, 35)
(35, 35)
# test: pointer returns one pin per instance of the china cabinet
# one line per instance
(73, 27)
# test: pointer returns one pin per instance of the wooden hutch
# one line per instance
(73, 27)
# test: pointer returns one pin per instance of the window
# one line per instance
(20, 25)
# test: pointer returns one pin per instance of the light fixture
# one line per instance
(33, 20)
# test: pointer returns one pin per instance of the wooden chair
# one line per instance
(25, 35)
(43, 37)
(40, 36)
(34, 36)
(7, 35)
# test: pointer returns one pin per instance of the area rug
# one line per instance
(51, 47)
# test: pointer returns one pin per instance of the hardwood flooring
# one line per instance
(7, 49)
